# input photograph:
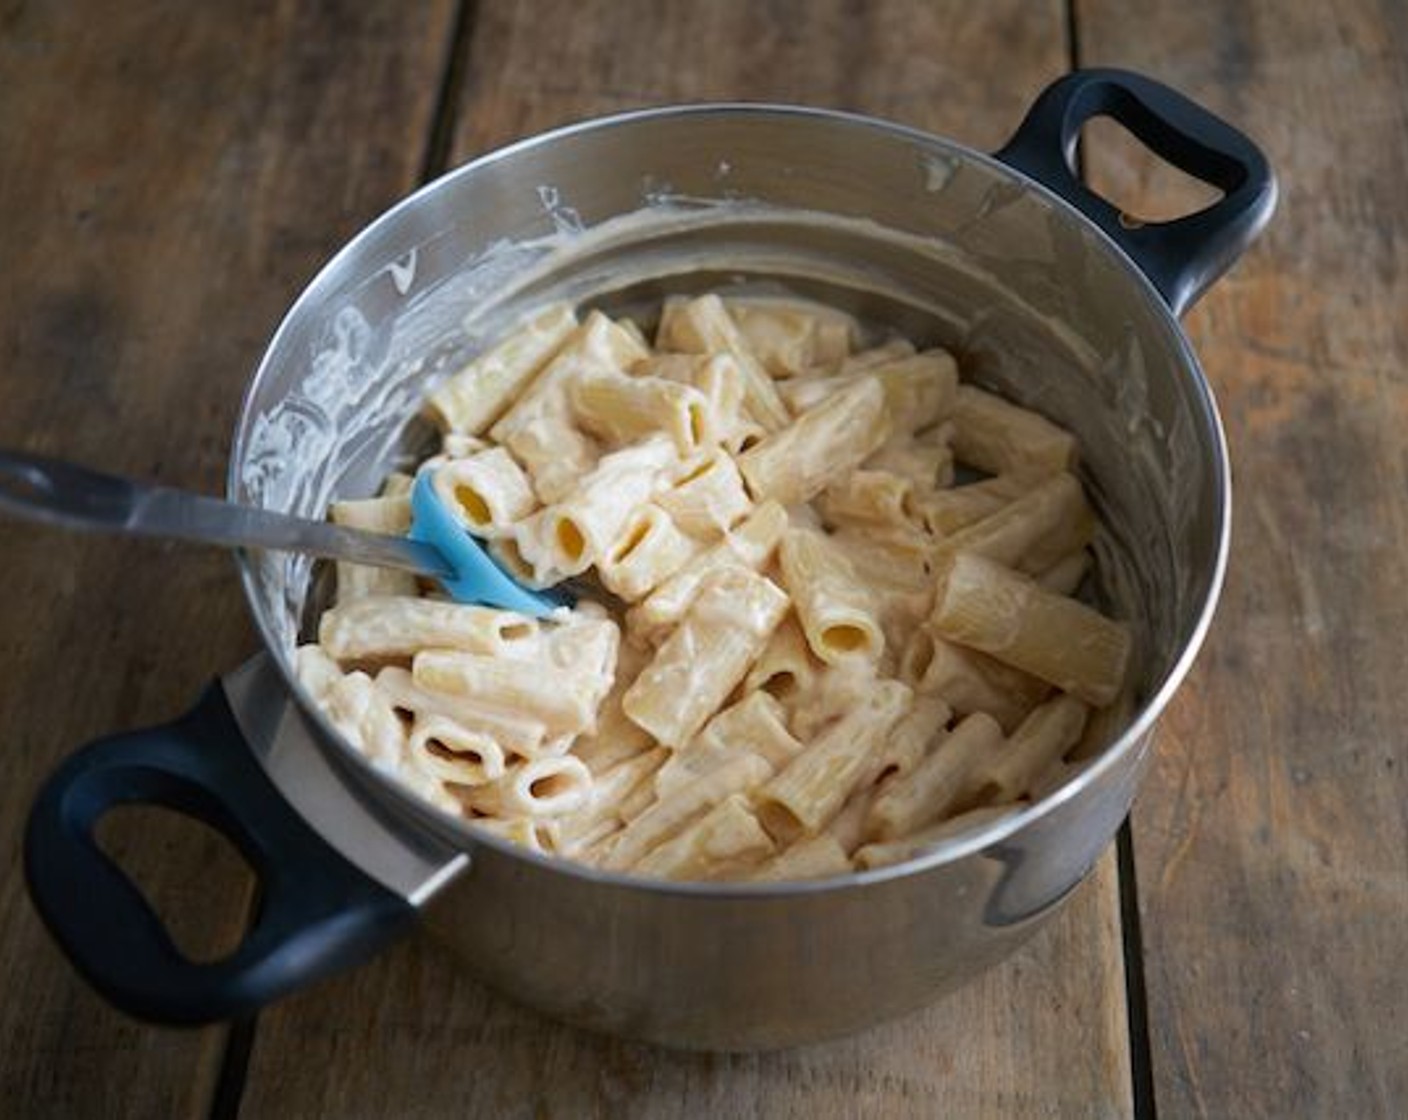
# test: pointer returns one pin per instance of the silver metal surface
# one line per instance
(906, 230)
(75, 497)
(413, 865)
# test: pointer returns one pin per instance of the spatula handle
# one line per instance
(75, 497)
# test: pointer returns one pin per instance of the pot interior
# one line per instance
(911, 233)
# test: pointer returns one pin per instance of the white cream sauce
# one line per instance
(363, 384)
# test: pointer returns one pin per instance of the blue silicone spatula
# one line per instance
(438, 545)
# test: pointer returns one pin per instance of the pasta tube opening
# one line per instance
(801, 600)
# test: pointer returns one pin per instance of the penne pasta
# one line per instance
(539, 428)
(1065, 576)
(997, 436)
(816, 857)
(641, 798)
(945, 512)
(519, 734)
(398, 484)
(453, 445)
(746, 436)
(669, 815)
(847, 827)
(708, 498)
(787, 667)
(1032, 532)
(920, 389)
(792, 337)
(387, 514)
(755, 725)
(479, 394)
(891, 350)
(821, 446)
(1042, 739)
(385, 627)
(637, 333)
(601, 813)
(895, 566)
(911, 741)
(836, 610)
(316, 670)
(539, 787)
(649, 550)
(887, 557)
(803, 797)
(556, 453)
(707, 656)
(361, 581)
(750, 546)
(536, 835)
(507, 553)
(487, 491)
(616, 737)
(780, 338)
(969, 681)
(884, 854)
(941, 783)
(621, 410)
(597, 346)
(563, 688)
(703, 325)
(724, 841)
(868, 497)
(447, 752)
(837, 689)
(365, 717)
(1005, 614)
(717, 376)
(804, 393)
(926, 460)
(576, 532)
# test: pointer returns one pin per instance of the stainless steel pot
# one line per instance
(1049, 294)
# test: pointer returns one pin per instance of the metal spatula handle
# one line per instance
(60, 493)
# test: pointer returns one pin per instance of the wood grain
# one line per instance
(929, 65)
(1044, 1034)
(168, 182)
(1270, 842)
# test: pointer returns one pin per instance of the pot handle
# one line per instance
(1181, 257)
(317, 913)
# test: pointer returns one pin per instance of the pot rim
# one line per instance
(424, 815)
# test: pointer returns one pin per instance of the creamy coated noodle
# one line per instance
(812, 652)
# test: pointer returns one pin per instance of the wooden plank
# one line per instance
(1271, 844)
(929, 65)
(1043, 1034)
(168, 183)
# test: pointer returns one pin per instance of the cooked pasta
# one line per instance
(812, 651)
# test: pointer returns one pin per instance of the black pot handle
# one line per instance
(1182, 257)
(317, 914)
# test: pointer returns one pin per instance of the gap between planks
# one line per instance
(452, 76)
(1141, 1071)
(239, 1044)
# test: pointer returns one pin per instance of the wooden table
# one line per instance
(171, 175)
